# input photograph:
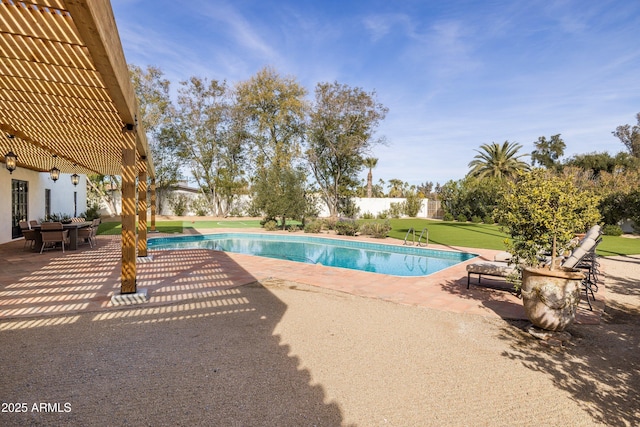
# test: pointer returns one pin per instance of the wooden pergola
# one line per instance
(65, 90)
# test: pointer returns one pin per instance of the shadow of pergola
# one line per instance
(203, 351)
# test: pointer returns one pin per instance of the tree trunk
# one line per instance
(369, 183)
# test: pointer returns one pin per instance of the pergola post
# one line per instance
(153, 205)
(142, 209)
(128, 284)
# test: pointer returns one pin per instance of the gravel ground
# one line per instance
(284, 354)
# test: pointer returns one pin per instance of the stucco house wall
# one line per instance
(61, 196)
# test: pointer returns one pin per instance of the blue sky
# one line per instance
(454, 74)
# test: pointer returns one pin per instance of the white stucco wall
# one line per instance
(61, 196)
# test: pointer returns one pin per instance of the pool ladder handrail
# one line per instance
(413, 231)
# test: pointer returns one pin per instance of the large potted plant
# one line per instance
(542, 212)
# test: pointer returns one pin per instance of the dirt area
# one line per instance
(280, 353)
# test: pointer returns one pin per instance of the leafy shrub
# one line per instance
(270, 225)
(462, 218)
(330, 223)
(179, 204)
(200, 206)
(448, 217)
(395, 210)
(313, 227)
(91, 213)
(612, 230)
(346, 227)
(476, 219)
(293, 228)
(488, 219)
(412, 204)
(383, 214)
(376, 229)
(367, 215)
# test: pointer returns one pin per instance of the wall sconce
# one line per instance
(10, 159)
(54, 172)
(75, 178)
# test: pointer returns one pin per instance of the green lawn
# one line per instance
(113, 228)
(440, 232)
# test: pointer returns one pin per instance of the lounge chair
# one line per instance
(53, 233)
(584, 257)
(488, 268)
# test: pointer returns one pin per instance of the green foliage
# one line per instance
(395, 210)
(91, 213)
(200, 206)
(292, 228)
(270, 225)
(412, 204)
(340, 133)
(178, 203)
(612, 230)
(542, 212)
(597, 163)
(348, 208)
(383, 214)
(488, 219)
(273, 110)
(448, 216)
(476, 219)
(630, 137)
(471, 196)
(498, 161)
(330, 222)
(461, 218)
(548, 153)
(58, 217)
(376, 229)
(313, 227)
(280, 192)
(367, 215)
(211, 139)
(346, 227)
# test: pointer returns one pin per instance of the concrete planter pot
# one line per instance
(551, 298)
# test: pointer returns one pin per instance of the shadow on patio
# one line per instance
(209, 359)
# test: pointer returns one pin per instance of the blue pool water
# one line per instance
(365, 256)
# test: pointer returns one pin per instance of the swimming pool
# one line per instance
(357, 255)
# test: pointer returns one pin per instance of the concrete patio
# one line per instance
(34, 285)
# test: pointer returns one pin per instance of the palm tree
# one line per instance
(497, 161)
(371, 163)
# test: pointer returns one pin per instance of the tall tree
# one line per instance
(548, 153)
(370, 163)
(498, 161)
(341, 132)
(157, 116)
(630, 137)
(211, 141)
(274, 111)
(397, 187)
(596, 163)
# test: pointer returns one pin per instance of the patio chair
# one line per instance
(24, 225)
(30, 236)
(88, 234)
(33, 222)
(52, 234)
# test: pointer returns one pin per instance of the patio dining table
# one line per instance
(73, 233)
